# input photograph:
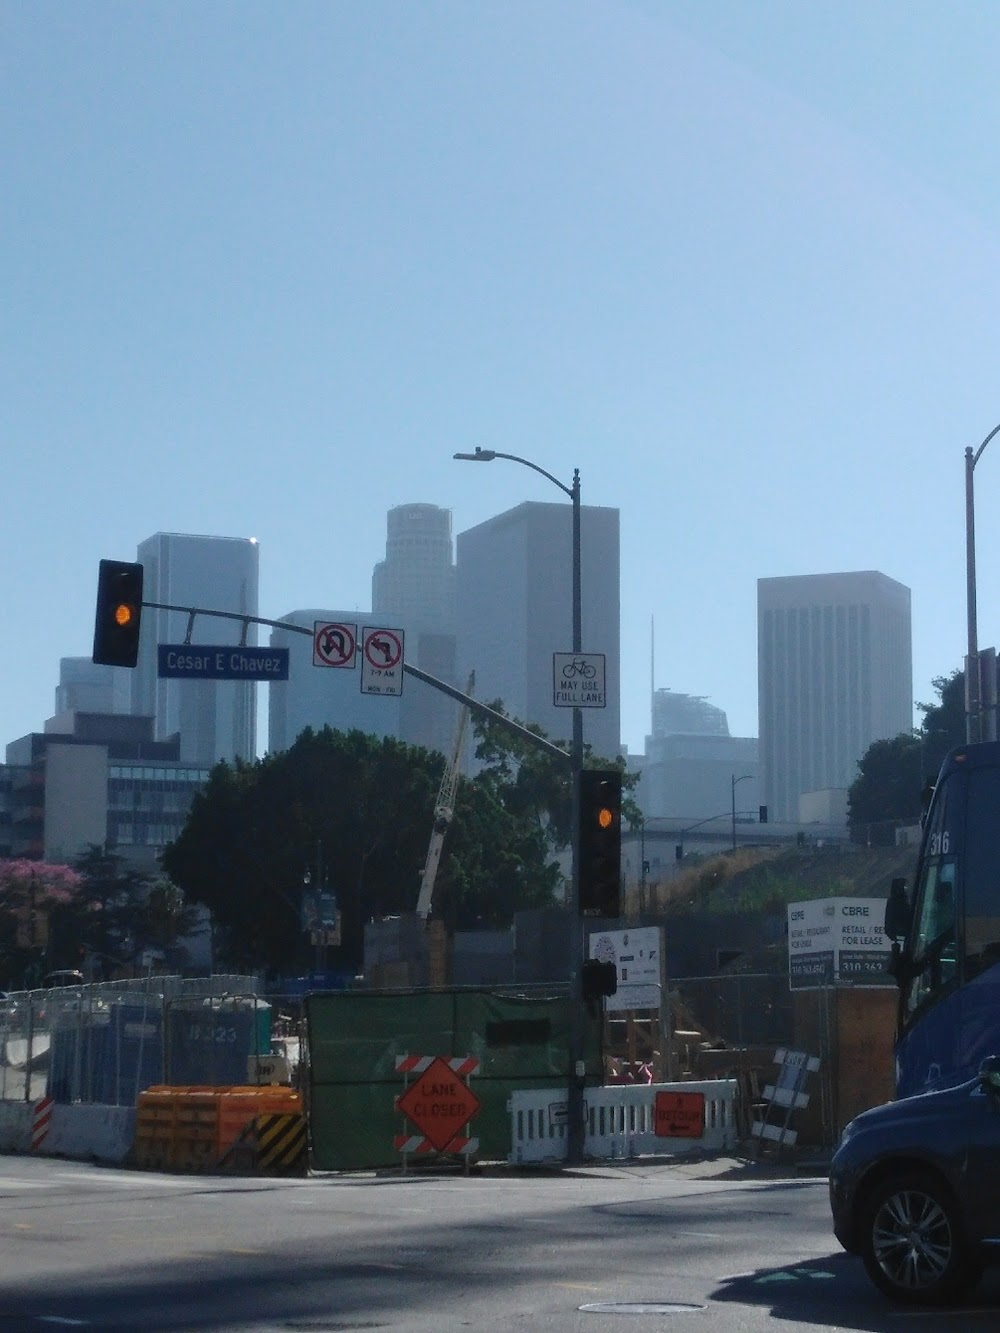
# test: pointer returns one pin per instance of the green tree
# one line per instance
(119, 912)
(364, 807)
(893, 773)
(33, 896)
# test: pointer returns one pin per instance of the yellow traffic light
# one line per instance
(605, 817)
(119, 613)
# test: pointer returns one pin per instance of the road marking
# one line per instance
(579, 1286)
(58, 1319)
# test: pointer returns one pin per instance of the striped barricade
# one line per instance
(41, 1119)
(251, 1130)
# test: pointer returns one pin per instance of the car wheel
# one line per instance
(912, 1241)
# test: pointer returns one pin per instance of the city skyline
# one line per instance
(266, 277)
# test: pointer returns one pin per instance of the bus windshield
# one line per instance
(949, 1015)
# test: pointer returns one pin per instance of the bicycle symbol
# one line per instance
(579, 667)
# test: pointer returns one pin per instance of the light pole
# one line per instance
(973, 682)
(734, 783)
(577, 1069)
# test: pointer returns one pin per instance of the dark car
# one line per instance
(915, 1190)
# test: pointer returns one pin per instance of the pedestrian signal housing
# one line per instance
(119, 611)
(599, 979)
(600, 805)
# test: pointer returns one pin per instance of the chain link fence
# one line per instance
(737, 1009)
(108, 1041)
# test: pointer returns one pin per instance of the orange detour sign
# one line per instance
(439, 1103)
(679, 1115)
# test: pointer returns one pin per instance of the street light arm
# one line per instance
(488, 455)
(977, 454)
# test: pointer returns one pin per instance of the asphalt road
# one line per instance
(717, 1245)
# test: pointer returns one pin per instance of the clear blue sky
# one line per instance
(266, 267)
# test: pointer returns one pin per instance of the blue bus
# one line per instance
(946, 933)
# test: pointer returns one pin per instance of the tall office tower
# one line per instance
(515, 609)
(416, 580)
(88, 687)
(216, 719)
(835, 674)
(318, 697)
(414, 588)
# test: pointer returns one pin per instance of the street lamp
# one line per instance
(973, 681)
(575, 1108)
(735, 781)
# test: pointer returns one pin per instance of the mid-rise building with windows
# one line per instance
(96, 779)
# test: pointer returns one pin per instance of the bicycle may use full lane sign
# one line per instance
(578, 680)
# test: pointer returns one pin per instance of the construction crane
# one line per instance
(444, 808)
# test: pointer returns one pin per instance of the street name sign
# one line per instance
(440, 1103)
(578, 680)
(202, 661)
(381, 661)
(334, 644)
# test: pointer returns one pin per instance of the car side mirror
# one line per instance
(897, 911)
(989, 1073)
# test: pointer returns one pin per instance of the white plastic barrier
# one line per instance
(15, 1126)
(620, 1120)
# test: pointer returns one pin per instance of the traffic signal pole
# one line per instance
(576, 1108)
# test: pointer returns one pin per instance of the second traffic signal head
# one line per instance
(600, 802)
(119, 611)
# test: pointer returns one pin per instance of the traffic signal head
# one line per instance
(600, 804)
(119, 610)
(599, 979)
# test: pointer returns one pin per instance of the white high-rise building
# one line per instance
(216, 719)
(416, 580)
(515, 609)
(835, 674)
(318, 697)
(413, 588)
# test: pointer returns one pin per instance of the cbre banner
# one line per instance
(201, 661)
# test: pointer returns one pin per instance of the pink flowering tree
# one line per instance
(33, 894)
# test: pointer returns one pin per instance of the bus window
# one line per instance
(981, 880)
(933, 939)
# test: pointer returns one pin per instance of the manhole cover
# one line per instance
(642, 1307)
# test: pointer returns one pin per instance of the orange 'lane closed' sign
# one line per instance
(679, 1115)
(439, 1103)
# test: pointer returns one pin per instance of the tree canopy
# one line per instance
(358, 810)
(893, 773)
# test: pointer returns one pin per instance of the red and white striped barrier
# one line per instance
(416, 1143)
(40, 1121)
(463, 1065)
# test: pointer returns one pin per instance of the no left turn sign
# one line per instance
(382, 661)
